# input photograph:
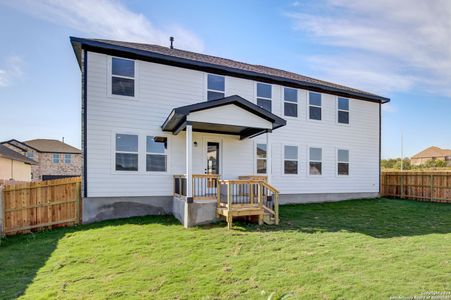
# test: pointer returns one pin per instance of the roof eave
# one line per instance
(81, 43)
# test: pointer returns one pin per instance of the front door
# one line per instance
(212, 158)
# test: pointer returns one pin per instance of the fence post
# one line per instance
(2, 212)
(432, 187)
(402, 185)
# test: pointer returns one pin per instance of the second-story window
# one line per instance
(290, 98)
(67, 158)
(215, 87)
(343, 110)
(122, 77)
(56, 158)
(314, 106)
(264, 96)
(30, 154)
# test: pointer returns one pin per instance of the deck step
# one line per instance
(268, 219)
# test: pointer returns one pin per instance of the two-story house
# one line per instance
(156, 119)
(54, 159)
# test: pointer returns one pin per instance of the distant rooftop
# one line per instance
(11, 154)
(433, 151)
(49, 145)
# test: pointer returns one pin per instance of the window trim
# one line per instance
(56, 155)
(126, 152)
(337, 161)
(207, 89)
(283, 160)
(284, 101)
(256, 158)
(309, 160)
(308, 107)
(110, 80)
(153, 153)
(338, 110)
(263, 98)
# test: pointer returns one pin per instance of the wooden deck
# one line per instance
(249, 196)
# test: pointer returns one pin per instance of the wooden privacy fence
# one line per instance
(44, 204)
(432, 186)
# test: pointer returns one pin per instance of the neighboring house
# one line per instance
(14, 166)
(55, 159)
(431, 153)
(152, 112)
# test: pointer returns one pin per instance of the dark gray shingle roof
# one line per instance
(11, 154)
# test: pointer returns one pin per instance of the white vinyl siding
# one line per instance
(162, 88)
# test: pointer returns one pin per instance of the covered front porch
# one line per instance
(235, 195)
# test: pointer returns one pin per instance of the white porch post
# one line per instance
(268, 156)
(189, 162)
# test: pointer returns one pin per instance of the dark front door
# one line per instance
(212, 158)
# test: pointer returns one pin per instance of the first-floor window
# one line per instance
(261, 158)
(67, 158)
(56, 158)
(342, 162)
(315, 161)
(290, 162)
(156, 157)
(126, 152)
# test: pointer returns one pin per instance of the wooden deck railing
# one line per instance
(180, 185)
(206, 187)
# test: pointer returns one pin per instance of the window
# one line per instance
(315, 161)
(67, 158)
(290, 162)
(30, 154)
(126, 152)
(56, 158)
(215, 87)
(264, 96)
(290, 97)
(156, 157)
(122, 77)
(342, 162)
(261, 158)
(314, 106)
(343, 110)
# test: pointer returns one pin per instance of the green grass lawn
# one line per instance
(348, 250)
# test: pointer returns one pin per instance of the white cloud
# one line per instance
(389, 45)
(11, 71)
(107, 19)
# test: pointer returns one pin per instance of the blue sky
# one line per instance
(398, 49)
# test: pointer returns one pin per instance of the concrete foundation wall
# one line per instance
(105, 208)
(202, 212)
(322, 197)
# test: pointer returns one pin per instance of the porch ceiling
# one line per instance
(230, 115)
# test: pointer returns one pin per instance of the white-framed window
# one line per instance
(290, 102)
(290, 160)
(30, 154)
(261, 155)
(315, 161)
(56, 158)
(343, 110)
(264, 96)
(126, 158)
(342, 162)
(315, 106)
(67, 158)
(122, 77)
(156, 153)
(215, 87)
